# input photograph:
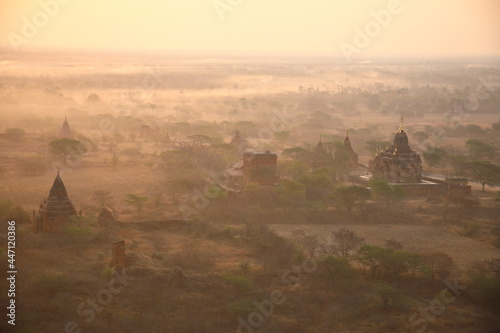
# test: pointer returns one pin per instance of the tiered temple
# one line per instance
(398, 163)
(56, 210)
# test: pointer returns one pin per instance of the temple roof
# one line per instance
(58, 189)
(347, 141)
(401, 143)
(65, 130)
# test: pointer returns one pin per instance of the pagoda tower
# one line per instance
(65, 132)
(354, 158)
(55, 210)
(398, 163)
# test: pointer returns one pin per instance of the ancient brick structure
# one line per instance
(119, 259)
(398, 163)
(260, 167)
(239, 142)
(55, 211)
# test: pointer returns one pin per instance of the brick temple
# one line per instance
(55, 210)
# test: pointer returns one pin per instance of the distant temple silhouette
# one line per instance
(353, 156)
(56, 210)
(65, 132)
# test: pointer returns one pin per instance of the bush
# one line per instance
(242, 307)
(108, 272)
(49, 283)
(469, 229)
(242, 283)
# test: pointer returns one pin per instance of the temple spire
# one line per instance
(401, 123)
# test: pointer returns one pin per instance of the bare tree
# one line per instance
(345, 241)
(158, 242)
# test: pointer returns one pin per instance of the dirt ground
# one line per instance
(415, 238)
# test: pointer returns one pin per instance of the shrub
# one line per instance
(108, 272)
(469, 229)
(242, 283)
(49, 283)
(242, 307)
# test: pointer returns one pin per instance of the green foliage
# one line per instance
(434, 264)
(49, 283)
(485, 172)
(345, 241)
(317, 185)
(75, 235)
(136, 200)
(242, 307)
(389, 194)
(337, 268)
(485, 283)
(470, 229)
(158, 256)
(245, 266)
(351, 196)
(241, 282)
(108, 272)
(64, 148)
(291, 193)
(10, 212)
(391, 297)
(479, 149)
(371, 256)
(396, 263)
(297, 154)
(434, 156)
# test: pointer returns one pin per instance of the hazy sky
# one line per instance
(418, 27)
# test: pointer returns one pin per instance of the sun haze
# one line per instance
(430, 28)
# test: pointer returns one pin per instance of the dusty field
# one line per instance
(415, 238)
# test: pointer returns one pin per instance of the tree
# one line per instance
(14, 134)
(479, 149)
(420, 136)
(317, 185)
(64, 149)
(345, 241)
(336, 267)
(437, 263)
(434, 156)
(395, 263)
(485, 172)
(371, 256)
(350, 196)
(136, 200)
(390, 295)
(291, 193)
(296, 153)
(158, 242)
(389, 194)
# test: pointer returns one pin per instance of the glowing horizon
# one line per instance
(414, 28)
